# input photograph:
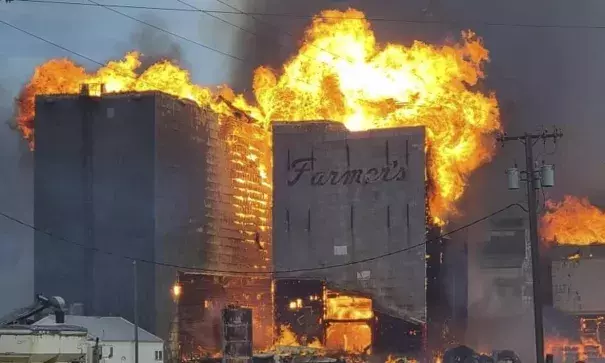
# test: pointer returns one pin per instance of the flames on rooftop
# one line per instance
(340, 73)
(573, 221)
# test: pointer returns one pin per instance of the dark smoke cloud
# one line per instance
(153, 44)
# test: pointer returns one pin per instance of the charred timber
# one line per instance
(237, 111)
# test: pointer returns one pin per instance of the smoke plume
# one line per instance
(153, 44)
(16, 246)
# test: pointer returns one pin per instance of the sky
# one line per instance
(547, 73)
(101, 35)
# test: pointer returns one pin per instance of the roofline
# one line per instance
(85, 330)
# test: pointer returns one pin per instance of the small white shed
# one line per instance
(116, 338)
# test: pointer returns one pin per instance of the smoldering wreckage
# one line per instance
(270, 205)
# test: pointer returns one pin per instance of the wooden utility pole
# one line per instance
(136, 312)
(533, 180)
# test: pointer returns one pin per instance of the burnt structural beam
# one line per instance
(529, 140)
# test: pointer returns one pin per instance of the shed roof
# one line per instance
(106, 328)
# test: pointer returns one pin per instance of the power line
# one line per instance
(278, 29)
(167, 31)
(254, 33)
(233, 272)
(307, 16)
(117, 6)
(51, 43)
(196, 9)
(78, 54)
(117, 70)
(93, 3)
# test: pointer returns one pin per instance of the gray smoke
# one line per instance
(16, 200)
(154, 45)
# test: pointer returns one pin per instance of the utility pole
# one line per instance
(96, 353)
(136, 313)
(535, 180)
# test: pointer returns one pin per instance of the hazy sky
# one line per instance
(543, 75)
(101, 35)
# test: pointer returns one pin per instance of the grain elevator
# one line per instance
(341, 197)
(145, 176)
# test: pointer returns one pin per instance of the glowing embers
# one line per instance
(287, 338)
(344, 307)
(352, 337)
(589, 346)
(295, 304)
(307, 313)
(298, 304)
(348, 320)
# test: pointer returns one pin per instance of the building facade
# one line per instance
(150, 177)
(500, 313)
(342, 197)
(574, 269)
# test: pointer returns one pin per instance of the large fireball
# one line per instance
(573, 221)
(340, 73)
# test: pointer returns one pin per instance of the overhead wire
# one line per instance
(284, 31)
(196, 9)
(57, 45)
(94, 3)
(117, 70)
(81, 55)
(198, 269)
(168, 32)
(307, 16)
(253, 273)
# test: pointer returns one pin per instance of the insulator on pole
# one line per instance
(536, 180)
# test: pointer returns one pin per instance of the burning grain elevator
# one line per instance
(341, 197)
(151, 177)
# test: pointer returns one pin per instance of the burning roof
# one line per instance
(573, 221)
(340, 73)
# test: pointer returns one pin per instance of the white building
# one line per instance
(116, 339)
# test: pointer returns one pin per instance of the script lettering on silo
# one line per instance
(302, 167)
(340, 199)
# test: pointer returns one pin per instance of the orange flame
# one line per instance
(340, 73)
(344, 307)
(574, 221)
(349, 337)
(348, 329)
(288, 338)
(62, 76)
(393, 359)
(586, 348)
